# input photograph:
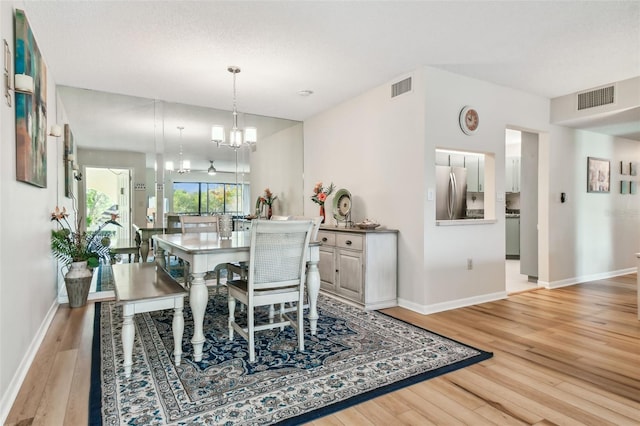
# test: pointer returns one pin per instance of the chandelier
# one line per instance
(238, 138)
(184, 166)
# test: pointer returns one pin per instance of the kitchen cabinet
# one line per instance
(360, 266)
(512, 174)
(473, 163)
(442, 158)
(475, 173)
(241, 225)
(513, 237)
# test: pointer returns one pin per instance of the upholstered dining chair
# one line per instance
(277, 271)
(193, 224)
(240, 268)
(279, 217)
(317, 221)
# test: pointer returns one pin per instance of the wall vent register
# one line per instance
(596, 98)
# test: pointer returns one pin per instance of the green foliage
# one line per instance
(185, 202)
(97, 203)
(70, 246)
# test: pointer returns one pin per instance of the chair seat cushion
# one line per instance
(242, 285)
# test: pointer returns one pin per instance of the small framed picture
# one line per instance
(625, 167)
(633, 187)
(633, 168)
(598, 175)
(624, 186)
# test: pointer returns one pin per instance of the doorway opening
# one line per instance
(108, 193)
(521, 211)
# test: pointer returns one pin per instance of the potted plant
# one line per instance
(80, 252)
(267, 199)
(320, 194)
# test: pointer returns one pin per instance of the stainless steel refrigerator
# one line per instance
(451, 192)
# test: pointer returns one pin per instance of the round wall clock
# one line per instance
(469, 120)
(342, 204)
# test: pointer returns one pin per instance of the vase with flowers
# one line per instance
(320, 194)
(79, 252)
(267, 199)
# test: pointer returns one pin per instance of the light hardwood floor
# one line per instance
(566, 356)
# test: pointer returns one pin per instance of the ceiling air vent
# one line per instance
(401, 87)
(595, 98)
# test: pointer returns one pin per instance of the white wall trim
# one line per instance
(585, 278)
(454, 304)
(93, 296)
(16, 382)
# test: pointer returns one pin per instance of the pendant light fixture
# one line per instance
(238, 138)
(184, 166)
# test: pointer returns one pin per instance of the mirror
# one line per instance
(119, 131)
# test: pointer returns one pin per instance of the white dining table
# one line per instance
(204, 251)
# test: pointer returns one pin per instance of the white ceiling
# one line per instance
(179, 51)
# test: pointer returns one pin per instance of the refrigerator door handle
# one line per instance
(454, 200)
(451, 195)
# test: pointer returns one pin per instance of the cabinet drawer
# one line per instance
(327, 238)
(350, 241)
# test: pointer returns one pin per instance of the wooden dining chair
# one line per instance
(190, 224)
(277, 271)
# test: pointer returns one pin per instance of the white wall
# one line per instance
(383, 151)
(277, 164)
(374, 147)
(448, 282)
(28, 273)
(594, 234)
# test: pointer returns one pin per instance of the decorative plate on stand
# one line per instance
(342, 206)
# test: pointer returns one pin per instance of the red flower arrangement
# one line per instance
(320, 193)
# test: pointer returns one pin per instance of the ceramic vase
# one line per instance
(78, 282)
(322, 213)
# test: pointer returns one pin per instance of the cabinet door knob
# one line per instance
(348, 242)
(324, 240)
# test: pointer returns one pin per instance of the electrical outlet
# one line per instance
(469, 264)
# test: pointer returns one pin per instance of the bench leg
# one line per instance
(128, 336)
(178, 331)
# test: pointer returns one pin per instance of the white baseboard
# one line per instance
(21, 372)
(585, 278)
(454, 304)
(470, 301)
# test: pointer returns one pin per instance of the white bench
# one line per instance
(145, 287)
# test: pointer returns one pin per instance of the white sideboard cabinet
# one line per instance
(360, 266)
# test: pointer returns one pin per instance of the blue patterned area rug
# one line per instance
(355, 356)
(105, 278)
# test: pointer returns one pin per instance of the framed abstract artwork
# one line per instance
(68, 161)
(31, 108)
(598, 175)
